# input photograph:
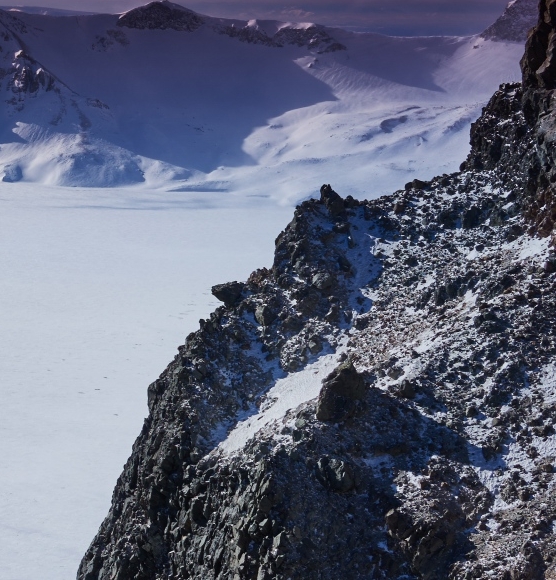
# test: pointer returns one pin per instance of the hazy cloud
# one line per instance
(409, 17)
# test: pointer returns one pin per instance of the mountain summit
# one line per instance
(515, 23)
(161, 16)
(381, 401)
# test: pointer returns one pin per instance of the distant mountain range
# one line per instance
(516, 21)
(162, 95)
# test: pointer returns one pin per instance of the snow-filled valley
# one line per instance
(227, 105)
(149, 165)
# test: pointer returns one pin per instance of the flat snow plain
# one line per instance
(98, 289)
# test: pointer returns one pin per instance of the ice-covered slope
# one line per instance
(162, 93)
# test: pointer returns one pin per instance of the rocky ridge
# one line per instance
(415, 336)
(515, 23)
(166, 15)
(161, 16)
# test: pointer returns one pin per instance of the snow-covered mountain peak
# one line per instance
(516, 21)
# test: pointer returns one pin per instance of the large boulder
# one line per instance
(265, 315)
(341, 390)
(333, 202)
(229, 293)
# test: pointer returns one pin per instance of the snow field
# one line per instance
(186, 109)
(99, 287)
(287, 394)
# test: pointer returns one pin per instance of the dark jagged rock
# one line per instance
(28, 77)
(314, 37)
(161, 16)
(265, 315)
(228, 293)
(416, 184)
(339, 393)
(429, 452)
(539, 61)
(333, 202)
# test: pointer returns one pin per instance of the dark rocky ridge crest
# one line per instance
(430, 450)
(515, 23)
(162, 16)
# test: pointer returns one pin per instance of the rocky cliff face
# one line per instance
(21, 74)
(516, 21)
(381, 402)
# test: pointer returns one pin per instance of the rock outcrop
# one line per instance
(539, 61)
(414, 337)
(340, 392)
(161, 15)
(515, 23)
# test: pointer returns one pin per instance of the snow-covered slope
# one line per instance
(162, 94)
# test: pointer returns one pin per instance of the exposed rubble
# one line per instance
(381, 402)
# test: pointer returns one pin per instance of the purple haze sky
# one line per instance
(406, 17)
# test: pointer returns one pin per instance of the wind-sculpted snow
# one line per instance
(195, 99)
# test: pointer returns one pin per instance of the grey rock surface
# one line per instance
(340, 392)
(229, 293)
(515, 23)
